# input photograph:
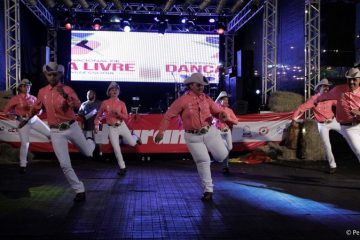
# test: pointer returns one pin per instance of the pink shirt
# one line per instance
(322, 111)
(195, 111)
(232, 119)
(347, 100)
(55, 104)
(21, 105)
(113, 110)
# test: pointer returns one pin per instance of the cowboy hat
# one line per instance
(112, 85)
(53, 67)
(25, 82)
(221, 95)
(323, 81)
(197, 78)
(353, 73)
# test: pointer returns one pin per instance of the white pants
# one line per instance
(124, 132)
(227, 138)
(24, 132)
(199, 147)
(60, 140)
(324, 130)
(352, 136)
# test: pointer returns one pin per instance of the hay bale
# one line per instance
(282, 101)
(10, 155)
(282, 152)
(4, 98)
(311, 146)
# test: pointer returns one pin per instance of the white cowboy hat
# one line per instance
(197, 78)
(323, 81)
(353, 73)
(112, 85)
(53, 67)
(25, 81)
(221, 95)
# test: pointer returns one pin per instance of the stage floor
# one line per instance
(160, 199)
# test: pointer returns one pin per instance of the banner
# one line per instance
(252, 131)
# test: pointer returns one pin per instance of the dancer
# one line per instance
(20, 108)
(225, 126)
(60, 101)
(196, 111)
(115, 113)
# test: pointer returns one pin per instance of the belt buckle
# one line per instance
(203, 130)
(64, 126)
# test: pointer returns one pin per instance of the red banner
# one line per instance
(252, 131)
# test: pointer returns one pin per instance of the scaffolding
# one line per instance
(312, 47)
(12, 43)
(269, 56)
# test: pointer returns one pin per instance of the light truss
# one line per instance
(245, 14)
(312, 47)
(41, 12)
(269, 56)
(52, 43)
(12, 43)
(147, 9)
(229, 52)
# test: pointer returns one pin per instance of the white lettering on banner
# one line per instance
(170, 136)
(259, 131)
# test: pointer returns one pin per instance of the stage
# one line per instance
(160, 199)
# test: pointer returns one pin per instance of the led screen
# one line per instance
(142, 57)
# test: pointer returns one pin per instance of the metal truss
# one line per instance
(52, 43)
(245, 14)
(146, 8)
(174, 28)
(229, 52)
(312, 47)
(41, 12)
(12, 43)
(269, 57)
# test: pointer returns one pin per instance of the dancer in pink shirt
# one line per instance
(115, 113)
(324, 116)
(196, 111)
(59, 102)
(348, 108)
(225, 126)
(20, 108)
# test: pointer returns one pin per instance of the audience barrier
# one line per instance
(253, 130)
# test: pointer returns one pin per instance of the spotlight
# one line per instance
(96, 25)
(184, 20)
(211, 20)
(126, 26)
(221, 28)
(115, 19)
(190, 26)
(68, 24)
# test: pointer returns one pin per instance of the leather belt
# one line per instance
(200, 131)
(117, 124)
(348, 124)
(327, 121)
(63, 126)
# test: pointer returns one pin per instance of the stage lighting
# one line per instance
(96, 25)
(115, 19)
(211, 20)
(68, 24)
(184, 20)
(190, 26)
(126, 26)
(221, 28)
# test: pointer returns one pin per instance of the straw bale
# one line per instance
(4, 98)
(282, 101)
(311, 146)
